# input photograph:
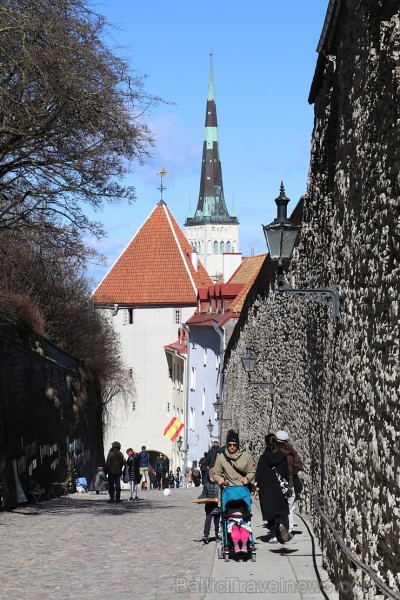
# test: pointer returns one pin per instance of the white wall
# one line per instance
(143, 344)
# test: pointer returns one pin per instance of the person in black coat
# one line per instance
(212, 455)
(274, 504)
(135, 476)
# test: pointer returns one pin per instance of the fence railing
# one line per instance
(318, 505)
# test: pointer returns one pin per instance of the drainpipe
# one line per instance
(186, 414)
(221, 334)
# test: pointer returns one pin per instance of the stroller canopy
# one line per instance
(236, 492)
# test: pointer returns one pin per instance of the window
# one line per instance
(128, 316)
(228, 246)
(177, 320)
(203, 402)
(191, 418)
(193, 379)
(215, 247)
(217, 361)
(221, 248)
(205, 357)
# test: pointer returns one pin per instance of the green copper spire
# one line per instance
(211, 205)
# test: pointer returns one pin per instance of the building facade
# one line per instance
(150, 290)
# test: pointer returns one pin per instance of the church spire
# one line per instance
(211, 205)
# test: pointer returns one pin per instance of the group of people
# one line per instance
(132, 469)
(135, 469)
(274, 480)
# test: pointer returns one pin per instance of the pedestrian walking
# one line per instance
(213, 512)
(203, 468)
(161, 468)
(196, 476)
(171, 480)
(132, 463)
(188, 478)
(144, 464)
(212, 454)
(152, 477)
(295, 465)
(114, 465)
(271, 473)
(178, 477)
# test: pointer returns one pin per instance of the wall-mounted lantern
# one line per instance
(281, 236)
(249, 363)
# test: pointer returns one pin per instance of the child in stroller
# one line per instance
(236, 530)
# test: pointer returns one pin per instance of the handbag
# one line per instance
(125, 474)
(284, 485)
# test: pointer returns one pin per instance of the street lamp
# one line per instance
(210, 426)
(218, 409)
(249, 362)
(217, 406)
(179, 442)
(281, 236)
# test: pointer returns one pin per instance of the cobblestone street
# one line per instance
(92, 549)
(88, 548)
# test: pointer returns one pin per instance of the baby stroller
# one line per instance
(234, 497)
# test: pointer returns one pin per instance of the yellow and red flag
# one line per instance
(173, 429)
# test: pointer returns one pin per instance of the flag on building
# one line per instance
(173, 429)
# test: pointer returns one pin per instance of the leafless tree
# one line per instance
(71, 118)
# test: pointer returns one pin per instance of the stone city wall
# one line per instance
(337, 381)
(50, 416)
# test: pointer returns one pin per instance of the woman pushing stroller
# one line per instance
(234, 471)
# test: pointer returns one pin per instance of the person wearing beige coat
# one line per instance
(234, 466)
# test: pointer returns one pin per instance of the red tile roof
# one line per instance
(247, 273)
(155, 268)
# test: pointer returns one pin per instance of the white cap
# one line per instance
(281, 435)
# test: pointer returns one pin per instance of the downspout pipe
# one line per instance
(221, 334)
(185, 416)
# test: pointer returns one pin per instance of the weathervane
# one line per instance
(161, 174)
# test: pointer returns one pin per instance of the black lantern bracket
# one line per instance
(281, 236)
(328, 296)
(248, 362)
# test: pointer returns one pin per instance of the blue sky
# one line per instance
(264, 57)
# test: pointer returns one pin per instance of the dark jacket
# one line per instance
(295, 463)
(161, 467)
(100, 482)
(115, 460)
(211, 490)
(133, 467)
(272, 501)
(144, 459)
(212, 456)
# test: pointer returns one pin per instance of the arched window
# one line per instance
(215, 247)
(209, 247)
(228, 246)
(221, 248)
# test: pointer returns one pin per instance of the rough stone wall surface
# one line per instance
(338, 380)
(49, 409)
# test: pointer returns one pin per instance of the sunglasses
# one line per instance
(232, 444)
